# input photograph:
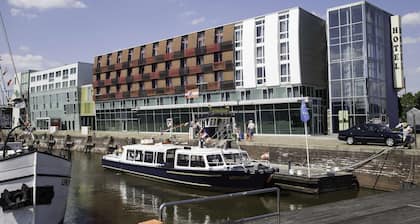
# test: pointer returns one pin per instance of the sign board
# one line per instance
(343, 120)
(397, 56)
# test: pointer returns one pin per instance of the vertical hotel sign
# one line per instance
(397, 56)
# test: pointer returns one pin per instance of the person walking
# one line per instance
(251, 128)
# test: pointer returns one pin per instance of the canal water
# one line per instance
(104, 196)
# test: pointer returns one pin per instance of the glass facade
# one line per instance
(359, 48)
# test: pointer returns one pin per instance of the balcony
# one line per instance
(134, 94)
(194, 69)
(212, 86)
(169, 90)
(168, 56)
(108, 82)
(121, 79)
(118, 66)
(189, 52)
(173, 72)
(137, 77)
(154, 75)
(200, 50)
(134, 63)
(217, 66)
(212, 48)
(228, 84)
(119, 95)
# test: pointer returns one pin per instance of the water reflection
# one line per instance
(104, 196)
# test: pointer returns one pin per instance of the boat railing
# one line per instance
(225, 196)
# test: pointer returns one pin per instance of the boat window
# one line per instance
(215, 160)
(183, 160)
(130, 155)
(148, 157)
(245, 156)
(197, 161)
(232, 158)
(159, 158)
(139, 156)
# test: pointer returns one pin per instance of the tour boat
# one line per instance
(212, 168)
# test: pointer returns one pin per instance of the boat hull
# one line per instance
(214, 180)
(34, 178)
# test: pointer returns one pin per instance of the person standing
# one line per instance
(251, 129)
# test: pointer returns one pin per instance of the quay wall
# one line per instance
(386, 172)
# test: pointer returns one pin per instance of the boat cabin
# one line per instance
(183, 157)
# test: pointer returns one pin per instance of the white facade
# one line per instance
(279, 47)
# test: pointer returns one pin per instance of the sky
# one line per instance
(49, 33)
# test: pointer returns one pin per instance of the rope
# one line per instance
(380, 172)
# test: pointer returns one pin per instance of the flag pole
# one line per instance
(307, 149)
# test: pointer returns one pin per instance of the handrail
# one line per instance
(224, 196)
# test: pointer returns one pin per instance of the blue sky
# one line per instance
(48, 33)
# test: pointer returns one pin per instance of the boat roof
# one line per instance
(181, 149)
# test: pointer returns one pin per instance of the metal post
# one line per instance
(307, 149)
(415, 132)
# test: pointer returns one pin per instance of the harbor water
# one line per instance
(103, 196)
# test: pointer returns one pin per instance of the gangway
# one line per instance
(367, 160)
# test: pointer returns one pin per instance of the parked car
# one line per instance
(373, 133)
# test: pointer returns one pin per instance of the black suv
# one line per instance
(373, 133)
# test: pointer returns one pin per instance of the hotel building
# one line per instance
(259, 68)
(363, 78)
(54, 96)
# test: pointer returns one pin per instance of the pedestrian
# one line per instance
(251, 128)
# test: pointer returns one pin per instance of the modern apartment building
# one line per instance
(363, 78)
(54, 96)
(87, 106)
(21, 91)
(259, 68)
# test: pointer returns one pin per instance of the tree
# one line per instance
(407, 102)
(417, 95)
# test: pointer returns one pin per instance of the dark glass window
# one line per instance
(148, 157)
(333, 18)
(344, 16)
(139, 156)
(334, 53)
(182, 160)
(358, 68)
(356, 14)
(335, 71)
(335, 88)
(159, 158)
(197, 161)
(334, 33)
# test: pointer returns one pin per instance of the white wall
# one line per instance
(294, 46)
(248, 53)
(271, 49)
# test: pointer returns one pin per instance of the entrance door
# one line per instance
(124, 125)
(248, 115)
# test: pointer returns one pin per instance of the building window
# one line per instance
(259, 34)
(98, 64)
(51, 87)
(108, 59)
(58, 85)
(38, 78)
(200, 39)
(267, 93)
(129, 72)
(73, 71)
(154, 84)
(107, 89)
(184, 42)
(118, 88)
(184, 81)
(168, 65)
(200, 79)
(130, 54)
(238, 36)
(58, 74)
(65, 74)
(142, 50)
(218, 57)
(32, 89)
(119, 55)
(44, 87)
(261, 75)
(51, 77)
(154, 67)
(200, 60)
(108, 75)
(238, 58)
(141, 85)
(218, 76)
(38, 88)
(284, 26)
(285, 72)
(129, 87)
(284, 51)
(33, 79)
(169, 46)
(44, 76)
(218, 35)
(260, 55)
(183, 63)
(239, 78)
(155, 49)
(72, 83)
(168, 82)
(65, 84)
(141, 69)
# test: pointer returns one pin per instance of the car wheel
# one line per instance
(350, 140)
(389, 142)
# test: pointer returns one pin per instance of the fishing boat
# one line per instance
(33, 185)
(217, 167)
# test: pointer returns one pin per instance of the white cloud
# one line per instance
(412, 18)
(46, 4)
(198, 20)
(411, 40)
(418, 70)
(24, 48)
(19, 12)
(28, 61)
